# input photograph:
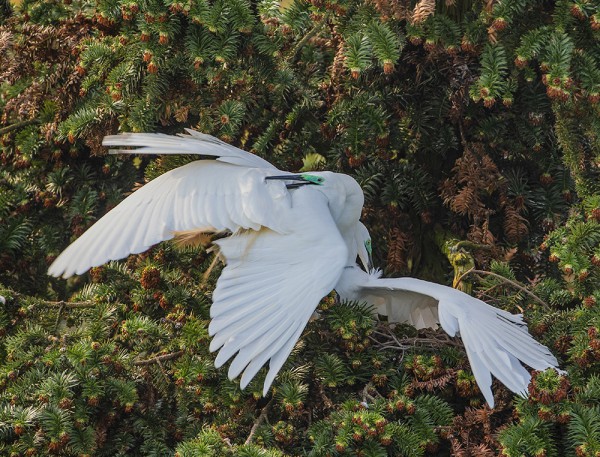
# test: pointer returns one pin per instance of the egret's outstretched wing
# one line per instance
(193, 143)
(271, 285)
(495, 340)
(202, 195)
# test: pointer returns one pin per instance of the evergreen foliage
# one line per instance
(481, 118)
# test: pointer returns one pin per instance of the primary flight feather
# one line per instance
(293, 238)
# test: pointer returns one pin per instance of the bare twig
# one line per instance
(61, 305)
(486, 293)
(462, 276)
(366, 395)
(207, 273)
(259, 420)
(514, 284)
(471, 246)
(159, 359)
(385, 339)
(163, 371)
(312, 32)
(58, 316)
(326, 400)
(18, 125)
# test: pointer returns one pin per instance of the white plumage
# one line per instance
(293, 239)
(496, 341)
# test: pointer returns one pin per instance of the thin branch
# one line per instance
(385, 339)
(58, 317)
(470, 246)
(158, 359)
(18, 125)
(207, 273)
(367, 396)
(326, 400)
(162, 369)
(259, 420)
(486, 293)
(458, 280)
(61, 305)
(514, 284)
(312, 32)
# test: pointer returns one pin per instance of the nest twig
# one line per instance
(385, 338)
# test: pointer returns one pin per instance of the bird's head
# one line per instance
(363, 244)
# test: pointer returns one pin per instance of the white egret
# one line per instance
(294, 238)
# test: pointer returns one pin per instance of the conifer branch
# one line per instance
(515, 120)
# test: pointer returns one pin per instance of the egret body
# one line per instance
(293, 238)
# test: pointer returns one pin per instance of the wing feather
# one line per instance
(234, 302)
(257, 362)
(266, 329)
(259, 345)
(279, 358)
(190, 197)
(247, 319)
(495, 361)
(482, 374)
(520, 345)
(496, 341)
(192, 143)
(271, 286)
